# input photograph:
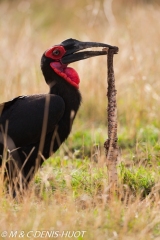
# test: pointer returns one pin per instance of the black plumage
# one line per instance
(33, 127)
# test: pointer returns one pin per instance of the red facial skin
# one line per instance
(67, 73)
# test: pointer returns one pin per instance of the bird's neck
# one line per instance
(71, 97)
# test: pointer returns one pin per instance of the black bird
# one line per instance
(33, 127)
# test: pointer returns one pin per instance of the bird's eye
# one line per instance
(56, 52)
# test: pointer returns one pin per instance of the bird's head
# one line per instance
(56, 59)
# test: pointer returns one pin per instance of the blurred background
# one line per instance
(28, 28)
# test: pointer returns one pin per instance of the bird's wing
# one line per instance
(5, 105)
(27, 116)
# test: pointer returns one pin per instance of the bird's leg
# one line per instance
(11, 166)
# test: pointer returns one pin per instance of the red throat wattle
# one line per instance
(67, 73)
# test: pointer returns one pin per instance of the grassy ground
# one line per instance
(70, 192)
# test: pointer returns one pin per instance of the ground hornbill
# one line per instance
(33, 127)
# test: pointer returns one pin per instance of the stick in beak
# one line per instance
(72, 46)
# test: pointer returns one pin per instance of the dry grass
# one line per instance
(27, 29)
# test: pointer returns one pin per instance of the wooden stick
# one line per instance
(111, 146)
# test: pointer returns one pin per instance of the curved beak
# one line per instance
(73, 46)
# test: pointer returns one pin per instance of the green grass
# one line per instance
(140, 180)
(80, 175)
(70, 192)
